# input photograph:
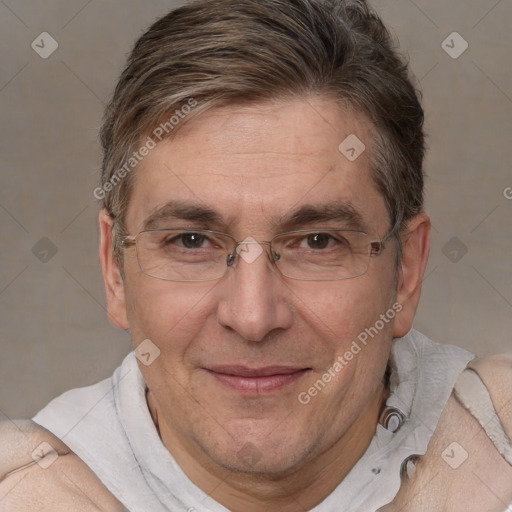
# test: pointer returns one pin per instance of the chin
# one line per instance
(271, 455)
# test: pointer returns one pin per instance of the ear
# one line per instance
(415, 250)
(114, 285)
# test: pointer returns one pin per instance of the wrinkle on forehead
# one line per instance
(304, 124)
(253, 163)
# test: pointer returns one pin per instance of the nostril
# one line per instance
(230, 259)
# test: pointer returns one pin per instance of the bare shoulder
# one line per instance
(496, 373)
(462, 469)
(39, 472)
(19, 439)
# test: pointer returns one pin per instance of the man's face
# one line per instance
(256, 168)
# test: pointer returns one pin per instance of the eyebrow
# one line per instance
(191, 212)
(343, 212)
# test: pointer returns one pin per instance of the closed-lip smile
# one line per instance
(256, 381)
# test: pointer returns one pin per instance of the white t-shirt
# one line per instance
(109, 426)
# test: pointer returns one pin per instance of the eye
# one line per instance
(318, 240)
(192, 240)
(187, 240)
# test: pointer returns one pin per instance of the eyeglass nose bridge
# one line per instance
(232, 258)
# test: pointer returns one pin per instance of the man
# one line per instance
(264, 241)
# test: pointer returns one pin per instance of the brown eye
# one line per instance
(186, 241)
(192, 240)
(318, 240)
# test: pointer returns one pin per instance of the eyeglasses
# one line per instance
(190, 255)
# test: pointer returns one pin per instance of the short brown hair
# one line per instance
(220, 52)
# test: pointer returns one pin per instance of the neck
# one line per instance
(304, 488)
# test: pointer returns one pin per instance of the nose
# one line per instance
(254, 299)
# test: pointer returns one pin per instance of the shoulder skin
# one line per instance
(496, 374)
(462, 470)
(39, 472)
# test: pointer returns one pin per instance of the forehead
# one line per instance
(256, 164)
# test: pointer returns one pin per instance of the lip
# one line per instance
(256, 381)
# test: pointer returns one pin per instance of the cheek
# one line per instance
(340, 311)
(346, 318)
(169, 314)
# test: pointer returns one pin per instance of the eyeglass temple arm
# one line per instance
(376, 247)
(127, 241)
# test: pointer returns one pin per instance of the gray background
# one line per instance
(55, 334)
